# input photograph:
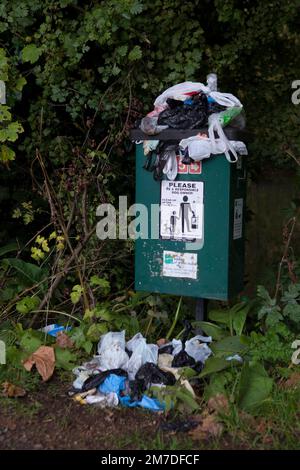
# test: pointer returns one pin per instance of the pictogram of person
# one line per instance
(184, 211)
(173, 222)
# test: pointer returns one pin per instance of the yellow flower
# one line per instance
(36, 253)
(39, 239)
(52, 235)
(60, 242)
(45, 246)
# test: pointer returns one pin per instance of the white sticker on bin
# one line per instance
(181, 210)
(183, 265)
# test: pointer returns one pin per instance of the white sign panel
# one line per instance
(180, 264)
(238, 219)
(181, 207)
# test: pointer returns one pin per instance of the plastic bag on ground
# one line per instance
(148, 374)
(112, 383)
(145, 402)
(96, 380)
(197, 348)
(110, 400)
(141, 354)
(111, 349)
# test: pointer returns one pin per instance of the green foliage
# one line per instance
(65, 359)
(273, 347)
(31, 53)
(27, 304)
(76, 294)
(175, 396)
(233, 318)
(287, 309)
(255, 386)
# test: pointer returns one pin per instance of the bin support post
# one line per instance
(200, 313)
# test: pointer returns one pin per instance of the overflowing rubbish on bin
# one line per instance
(191, 105)
(122, 372)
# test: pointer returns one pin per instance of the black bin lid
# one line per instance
(178, 134)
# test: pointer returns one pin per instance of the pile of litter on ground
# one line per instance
(122, 372)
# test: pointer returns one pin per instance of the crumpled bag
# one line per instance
(192, 115)
(110, 400)
(150, 126)
(171, 168)
(150, 146)
(145, 402)
(141, 353)
(111, 350)
(197, 348)
(180, 91)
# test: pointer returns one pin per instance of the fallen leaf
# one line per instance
(44, 360)
(261, 427)
(63, 340)
(248, 419)
(12, 391)
(209, 427)
(268, 440)
(218, 403)
(293, 381)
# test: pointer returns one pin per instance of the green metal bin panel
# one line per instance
(220, 260)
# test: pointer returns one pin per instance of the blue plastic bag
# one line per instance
(146, 402)
(113, 383)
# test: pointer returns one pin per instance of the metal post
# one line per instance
(201, 311)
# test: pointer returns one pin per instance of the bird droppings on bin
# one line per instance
(123, 372)
(191, 105)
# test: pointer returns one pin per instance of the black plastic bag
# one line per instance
(182, 359)
(185, 116)
(166, 349)
(147, 374)
(97, 379)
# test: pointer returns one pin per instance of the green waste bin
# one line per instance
(198, 248)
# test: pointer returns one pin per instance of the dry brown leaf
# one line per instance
(262, 426)
(209, 427)
(293, 381)
(160, 342)
(44, 360)
(12, 391)
(248, 419)
(218, 403)
(63, 340)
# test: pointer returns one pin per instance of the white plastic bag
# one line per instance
(225, 99)
(111, 350)
(197, 348)
(149, 146)
(109, 400)
(170, 169)
(141, 353)
(215, 127)
(179, 90)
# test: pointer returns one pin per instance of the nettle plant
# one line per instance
(287, 309)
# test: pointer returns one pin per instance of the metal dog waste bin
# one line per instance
(198, 247)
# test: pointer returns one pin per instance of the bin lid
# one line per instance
(178, 134)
